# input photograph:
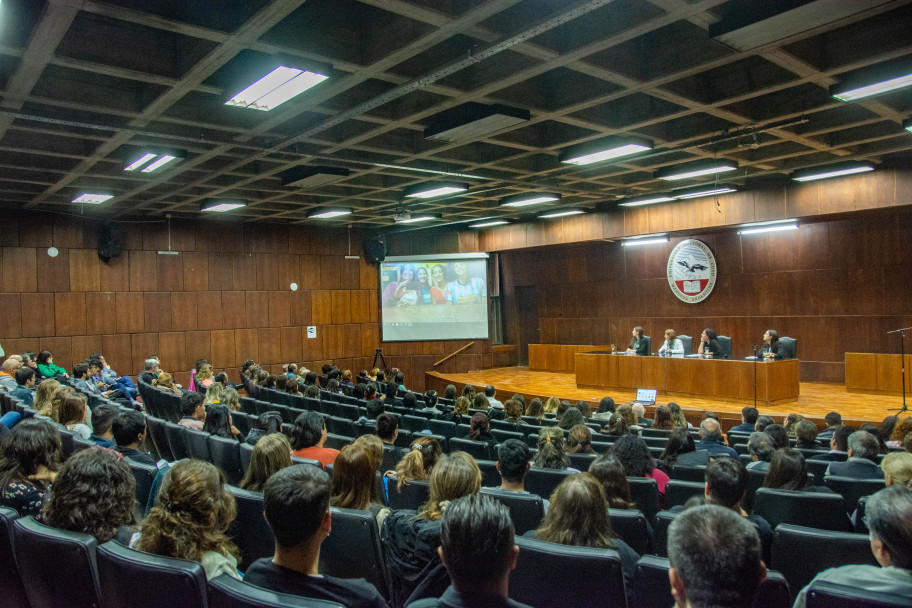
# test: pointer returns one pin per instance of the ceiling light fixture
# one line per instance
(641, 241)
(219, 206)
(328, 213)
(528, 198)
(707, 190)
(606, 148)
(275, 88)
(833, 170)
(473, 121)
(489, 224)
(768, 223)
(765, 229)
(311, 177)
(907, 125)
(150, 161)
(695, 169)
(851, 91)
(432, 189)
(423, 217)
(649, 199)
(92, 199)
(559, 213)
(140, 162)
(158, 164)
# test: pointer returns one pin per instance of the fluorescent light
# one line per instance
(907, 125)
(325, 214)
(92, 199)
(139, 163)
(707, 190)
(161, 162)
(560, 213)
(489, 224)
(221, 206)
(768, 223)
(646, 200)
(432, 189)
(834, 170)
(779, 228)
(529, 198)
(275, 88)
(420, 218)
(695, 169)
(869, 90)
(604, 149)
(638, 242)
(646, 236)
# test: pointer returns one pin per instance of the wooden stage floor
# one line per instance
(815, 400)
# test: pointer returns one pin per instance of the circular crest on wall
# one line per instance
(691, 271)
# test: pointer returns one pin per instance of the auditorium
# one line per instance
(597, 280)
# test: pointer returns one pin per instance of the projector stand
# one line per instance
(378, 354)
(902, 363)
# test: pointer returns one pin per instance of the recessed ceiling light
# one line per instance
(142, 160)
(833, 170)
(92, 199)
(605, 148)
(489, 224)
(432, 189)
(159, 163)
(559, 213)
(768, 223)
(472, 121)
(311, 177)
(325, 213)
(528, 198)
(423, 217)
(275, 88)
(907, 125)
(765, 229)
(640, 241)
(850, 91)
(217, 206)
(649, 199)
(707, 190)
(695, 169)
(152, 160)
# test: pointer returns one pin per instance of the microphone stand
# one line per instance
(902, 363)
(755, 377)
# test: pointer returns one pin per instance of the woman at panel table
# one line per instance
(439, 284)
(638, 344)
(770, 348)
(709, 345)
(672, 345)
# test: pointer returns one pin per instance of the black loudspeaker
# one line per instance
(110, 241)
(375, 250)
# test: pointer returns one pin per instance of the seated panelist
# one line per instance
(672, 344)
(638, 344)
(709, 344)
(770, 349)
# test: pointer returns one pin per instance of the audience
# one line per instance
(193, 410)
(270, 455)
(839, 445)
(129, 430)
(663, 419)
(634, 455)
(480, 429)
(354, 483)
(29, 459)
(609, 471)
(44, 399)
(903, 427)
(788, 471)
(25, 382)
(580, 440)
(806, 435)
(73, 413)
(749, 416)
(897, 468)
(308, 436)
(762, 423)
(779, 436)
(513, 465)
(863, 448)
(219, 423)
(46, 366)
(711, 440)
(833, 420)
(103, 422)
(726, 484)
(761, 448)
(681, 450)
(266, 423)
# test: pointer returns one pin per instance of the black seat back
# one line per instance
(725, 343)
(160, 437)
(249, 530)
(754, 482)
(632, 527)
(526, 510)
(73, 579)
(645, 495)
(660, 528)
(687, 342)
(198, 445)
(353, 549)
(144, 475)
(581, 462)
(478, 449)
(142, 580)
(245, 450)
(228, 592)
(678, 492)
(548, 575)
(411, 496)
(177, 440)
(10, 582)
(824, 594)
(852, 489)
(826, 511)
(683, 473)
(226, 455)
(544, 481)
(788, 347)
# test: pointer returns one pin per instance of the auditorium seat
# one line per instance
(60, 566)
(249, 530)
(526, 510)
(632, 527)
(754, 482)
(824, 594)
(490, 476)
(245, 451)
(442, 427)
(687, 341)
(682, 473)
(651, 588)
(825, 511)
(660, 530)
(800, 552)
(788, 347)
(10, 582)
(310, 461)
(226, 455)
(852, 489)
(198, 445)
(678, 492)
(353, 549)
(227, 592)
(548, 575)
(159, 436)
(143, 580)
(177, 440)
(477, 449)
(725, 342)
(412, 495)
(544, 481)
(144, 475)
(644, 492)
(581, 462)
(337, 442)
(818, 469)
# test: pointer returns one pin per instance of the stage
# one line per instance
(814, 402)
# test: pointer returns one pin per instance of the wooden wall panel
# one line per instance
(195, 271)
(209, 310)
(301, 308)
(270, 344)
(279, 308)
(143, 271)
(117, 350)
(83, 346)
(84, 275)
(157, 311)
(19, 271)
(53, 273)
(62, 350)
(223, 347)
(70, 313)
(115, 274)
(183, 311)
(130, 312)
(290, 344)
(246, 345)
(172, 347)
(10, 320)
(199, 346)
(37, 314)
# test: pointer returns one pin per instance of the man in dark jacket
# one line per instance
(863, 448)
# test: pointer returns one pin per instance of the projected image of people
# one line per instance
(411, 288)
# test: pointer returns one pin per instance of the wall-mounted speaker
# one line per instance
(375, 250)
(110, 241)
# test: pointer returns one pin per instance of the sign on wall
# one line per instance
(691, 271)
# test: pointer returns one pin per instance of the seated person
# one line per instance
(150, 371)
(513, 464)
(296, 507)
(193, 410)
(832, 420)
(839, 445)
(73, 415)
(897, 468)
(308, 437)
(102, 422)
(863, 448)
(711, 439)
(165, 383)
(25, 382)
(788, 471)
(47, 368)
(761, 449)
(681, 450)
(266, 423)
(806, 435)
(129, 429)
(28, 465)
(749, 415)
(112, 379)
(634, 454)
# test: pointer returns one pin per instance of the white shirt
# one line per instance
(677, 348)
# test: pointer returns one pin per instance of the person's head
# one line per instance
(476, 543)
(296, 506)
(80, 370)
(639, 411)
(453, 477)
(31, 444)
(606, 405)
(897, 468)
(25, 376)
(580, 440)
(450, 392)
(513, 458)
(903, 427)
(749, 414)
(787, 471)
(626, 412)
(761, 446)
(551, 449)
(73, 409)
(863, 444)
(462, 405)
(326, 368)
(218, 421)
(637, 332)
(489, 391)
(771, 336)
(479, 425)
(309, 430)
(791, 423)
(430, 398)
(353, 485)
(44, 396)
(374, 408)
(513, 410)
(151, 366)
(103, 420)
(312, 391)
(45, 357)
(409, 401)
(680, 441)
(806, 432)
(128, 428)
(399, 379)
(726, 482)
(889, 518)
(422, 457)
(763, 422)
(711, 430)
(634, 454)
(553, 405)
(663, 419)
(271, 454)
(887, 426)
(716, 558)
(204, 371)
(616, 425)
(536, 409)
(392, 389)
(480, 402)
(610, 473)
(833, 419)
(571, 418)
(562, 409)
(310, 378)
(840, 440)
(670, 336)
(778, 434)
(708, 335)
(578, 514)
(93, 494)
(28, 359)
(677, 415)
(215, 392)
(192, 405)
(374, 447)
(164, 380)
(191, 514)
(387, 427)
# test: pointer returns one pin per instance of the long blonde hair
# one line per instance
(204, 372)
(44, 399)
(423, 454)
(271, 453)
(354, 483)
(552, 405)
(214, 392)
(453, 477)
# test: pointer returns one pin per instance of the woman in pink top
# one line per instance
(634, 454)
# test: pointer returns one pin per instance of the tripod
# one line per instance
(902, 363)
(378, 354)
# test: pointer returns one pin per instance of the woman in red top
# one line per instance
(308, 437)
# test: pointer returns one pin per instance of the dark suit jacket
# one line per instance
(859, 468)
(716, 448)
(744, 427)
(831, 456)
(641, 347)
(700, 458)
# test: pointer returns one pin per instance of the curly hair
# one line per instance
(31, 443)
(634, 455)
(93, 494)
(44, 398)
(551, 454)
(191, 515)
